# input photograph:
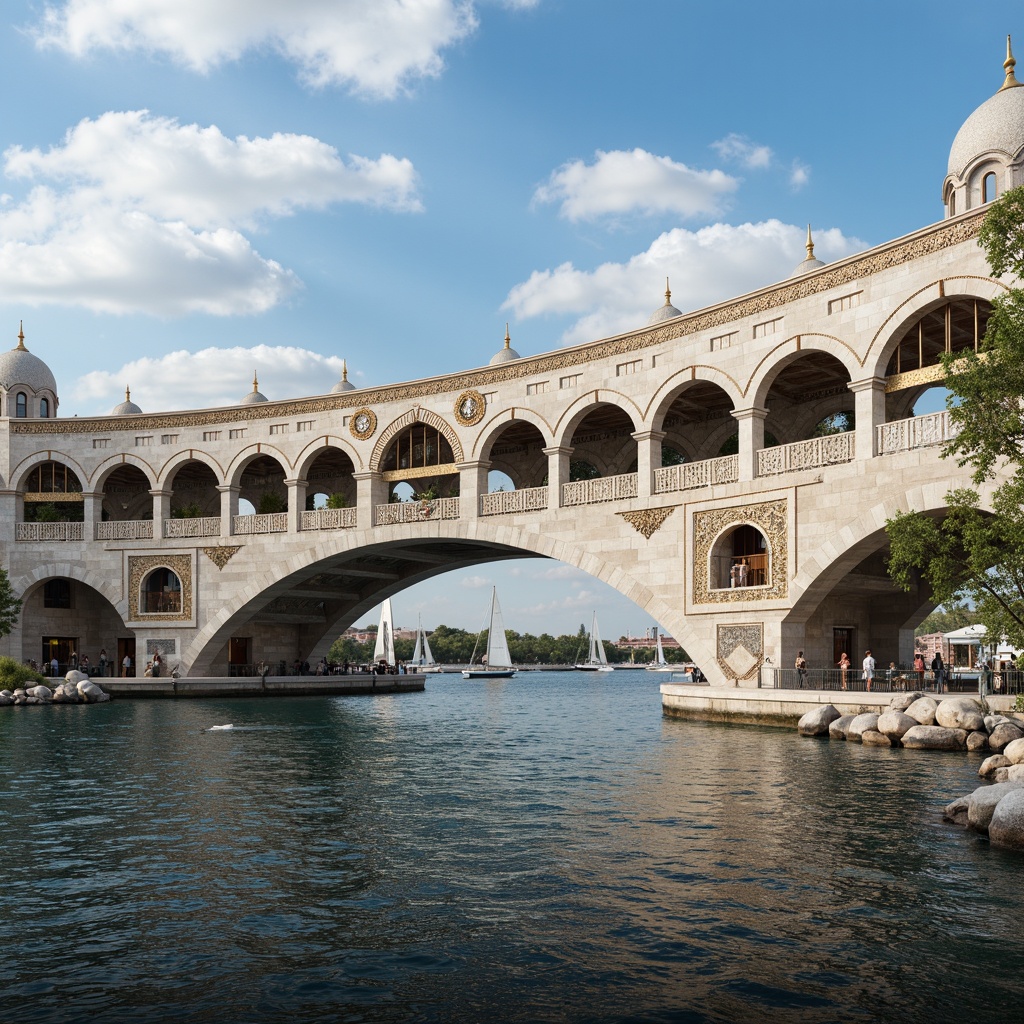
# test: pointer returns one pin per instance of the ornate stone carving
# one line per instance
(362, 424)
(740, 649)
(469, 408)
(771, 518)
(221, 556)
(416, 415)
(648, 520)
(140, 566)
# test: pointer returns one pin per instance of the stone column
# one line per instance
(869, 414)
(371, 491)
(161, 510)
(296, 503)
(92, 507)
(751, 439)
(228, 508)
(472, 484)
(558, 472)
(648, 459)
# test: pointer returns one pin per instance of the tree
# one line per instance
(973, 554)
(10, 606)
(946, 618)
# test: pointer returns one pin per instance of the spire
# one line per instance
(127, 394)
(810, 244)
(344, 369)
(255, 383)
(21, 336)
(1008, 65)
(668, 293)
(508, 337)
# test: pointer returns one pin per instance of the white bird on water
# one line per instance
(216, 728)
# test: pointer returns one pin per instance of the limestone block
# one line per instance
(934, 737)
(990, 764)
(894, 724)
(74, 676)
(91, 692)
(960, 713)
(982, 802)
(1006, 826)
(860, 725)
(923, 710)
(817, 721)
(837, 729)
(1003, 735)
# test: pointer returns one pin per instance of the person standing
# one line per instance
(54, 666)
(919, 668)
(157, 662)
(103, 661)
(801, 669)
(868, 672)
(844, 668)
(939, 671)
(126, 666)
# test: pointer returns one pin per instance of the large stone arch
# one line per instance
(662, 399)
(316, 448)
(25, 583)
(179, 459)
(23, 468)
(789, 351)
(493, 428)
(115, 462)
(239, 462)
(417, 415)
(576, 412)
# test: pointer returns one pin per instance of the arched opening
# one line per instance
(262, 485)
(161, 593)
(517, 457)
(330, 481)
(126, 495)
(740, 558)
(952, 202)
(603, 444)
(955, 326)
(44, 408)
(988, 187)
(194, 493)
(696, 415)
(808, 397)
(53, 493)
(422, 459)
(21, 405)
(835, 423)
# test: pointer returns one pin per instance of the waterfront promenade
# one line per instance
(254, 686)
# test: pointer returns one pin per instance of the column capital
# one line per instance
(473, 464)
(650, 435)
(295, 482)
(559, 449)
(229, 488)
(368, 474)
(867, 384)
(751, 413)
(161, 493)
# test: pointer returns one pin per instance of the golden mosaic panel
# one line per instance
(771, 518)
(648, 520)
(740, 649)
(140, 566)
(362, 424)
(221, 556)
(469, 408)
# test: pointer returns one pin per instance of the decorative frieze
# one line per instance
(740, 649)
(221, 556)
(648, 520)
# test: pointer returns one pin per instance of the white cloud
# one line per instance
(741, 150)
(474, 582)
(208, 378)
(799, 175)
(623, 182)
(705, 266)
(135, 213)
(375, 47)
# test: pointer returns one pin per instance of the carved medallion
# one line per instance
(648, 520)
(740, 649)
(363, 424)
(469, 408)
(221, 556)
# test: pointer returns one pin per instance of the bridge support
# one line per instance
(228, 508)
(751, 439)
(371, 491)
(472, 483)
(296, 502)
(869, 413)
(558, 472)
(648, 459)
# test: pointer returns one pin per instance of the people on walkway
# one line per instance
(54, 666)
(844, 668)
(103, 661)
(919, 668)
(801, 669)
(939, 671)
(868, 670)
(156, 663)
(126, 666)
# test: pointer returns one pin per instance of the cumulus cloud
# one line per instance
(799, 175)
(374, 47)
(475, 582)
(705, 266)
(133, 213)
(635, 181)
(208, 378)
(742, 150)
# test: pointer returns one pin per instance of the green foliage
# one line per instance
(431, 493)
(337, 500)
(190, 511)
(837, 423)
(1018, 704)
(10, 605)
(270, 503)
(947, 618)
(671, 457)
(580, 469)
(54, 512)
(15, 674)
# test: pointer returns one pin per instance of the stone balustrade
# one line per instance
(829, 450)
(688, 475)
(49, 531)
(602, 488)
(526, 499)
(267, 522)
(329, 519)
(416, 511)
(125, 529)
(208, 526)
(915, 432)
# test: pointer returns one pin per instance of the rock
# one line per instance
(902, 701)
(991, 721)
(960, 713)
(1001, 774)
(977, 741)
(860, 725)
(894, 724)
(817, 721)
(1015, 773)
(34, 700)
(1014, 751)
(934, 737)
(6, 700)
(20, 692)
(873, 738)
(982, 802)
(956, 812)
(923, 710)
(42, 692)
(74, 676)
(1006, 826)
(837, 730)
(990, 764)
(6, 693)
(1003, 734)
(91, 692)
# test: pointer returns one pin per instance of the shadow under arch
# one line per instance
(102, 472)
(685, 380)
(501, 421)
(788, 352)
(24, 585)
(20, 472)
(249, 454)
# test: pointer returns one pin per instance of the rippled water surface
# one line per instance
(547, 848)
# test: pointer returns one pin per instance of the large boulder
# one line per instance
(923, 710)
(934, 737)
(860, 725)
(960, 713)
(990, 764)
(894, 724)
(977, 741)
(1014, 751)
(42, 692)
(1006, 826)
(91, 692)
(1015, 773)
(74, 676)
(837, 729)
(982, 802)
(991, 721)
(5, 699)
(1003, 735)
(817, 721)
(873, 738)
(902, 701)
(956, 812)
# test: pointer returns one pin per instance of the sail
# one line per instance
(661, 653)
(597, 653)
(417, 654)
(497, 643)
(428, 657)
(384, 648)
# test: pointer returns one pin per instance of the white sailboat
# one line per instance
(597, 660)
(384, 648)
(422, 658)
(659, 664)
(497, 662)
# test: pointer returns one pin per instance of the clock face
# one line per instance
(362, 423)
(469, 409)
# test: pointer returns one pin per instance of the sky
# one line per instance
(191, 190)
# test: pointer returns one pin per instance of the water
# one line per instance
(546, 848)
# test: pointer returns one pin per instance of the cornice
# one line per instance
(924, 242)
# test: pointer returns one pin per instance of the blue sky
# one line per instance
(203, 187)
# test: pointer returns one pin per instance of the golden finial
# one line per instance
(127, 394)
(668, 293)
(1008, 66)
(344, 369)
(255, 383)
(21, 336)
(508, 337)
(810, 244)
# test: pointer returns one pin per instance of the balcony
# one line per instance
(915, 432)
(416, 511)
(329, 519)
(203, 527)
(529, 499)
(125, 529)
(257, 524)
(602, 488)
(830, 450)
(49, 531)
(689, 475)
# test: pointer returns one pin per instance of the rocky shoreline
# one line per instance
(77, 688)
(919, 722)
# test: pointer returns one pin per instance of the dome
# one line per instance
(254, 396)
(810, 262)
(665, 312)
(506, 354)
(19, 366)
(344, 384)
(127, 407)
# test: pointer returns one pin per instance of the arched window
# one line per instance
(739, 559)
(988, 187)
(952, 202)
(161, 592)
(44, 407)
(955, 326)
(20, 405)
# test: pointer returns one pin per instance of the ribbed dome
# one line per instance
(344, 384)
(665, 312)
(19, 366)
(506, 354)
(254, 396)
(127, 407)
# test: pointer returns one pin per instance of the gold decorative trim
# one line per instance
(922, 243)
(140, 566)
(740, 649)
(648, 520)
(420, 472)
(771, 518)
(221, 556)
(470, 407)
(912, 378)
(370, 424)
(54, 496)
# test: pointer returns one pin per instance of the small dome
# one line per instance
(665, 312)
(344, 384)
(506, 354)
(810, 262)
(19, 366)
(127, 407)
(254, 396)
